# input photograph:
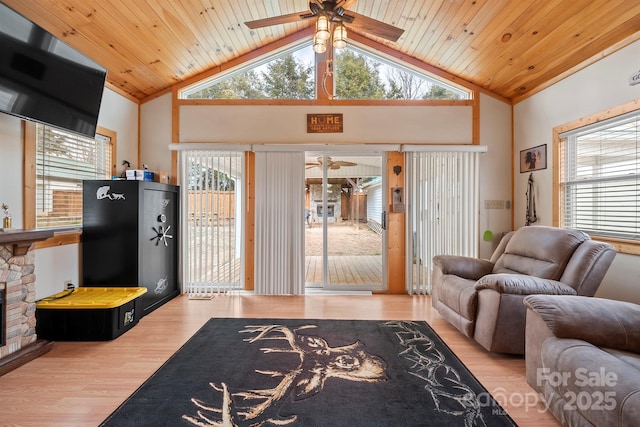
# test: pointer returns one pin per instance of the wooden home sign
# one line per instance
(324, 123)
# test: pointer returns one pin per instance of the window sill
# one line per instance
(623, 246)
(61, 238)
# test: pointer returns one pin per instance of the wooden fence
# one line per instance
(211, 205)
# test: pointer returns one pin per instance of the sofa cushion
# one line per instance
(519, 284)
(628, 357)
(603, 388)
(602, 322)
(539, 251)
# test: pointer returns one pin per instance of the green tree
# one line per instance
(358, 77)
(405, 85)
(247, 85)
(288, 78)
(440, 92)
(201, 177)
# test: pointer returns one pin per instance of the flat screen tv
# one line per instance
(45, 80)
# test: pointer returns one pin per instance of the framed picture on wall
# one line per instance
(533, 159)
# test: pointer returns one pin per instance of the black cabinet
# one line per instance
(130, 237)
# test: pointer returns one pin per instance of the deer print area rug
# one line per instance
(267, 372)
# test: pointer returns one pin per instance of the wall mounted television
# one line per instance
(45, 80)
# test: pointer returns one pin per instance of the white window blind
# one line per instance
(279, 223)
(600, 178)
(63, 161)
(442, 211)
(212, 205)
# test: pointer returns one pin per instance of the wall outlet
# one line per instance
(494, 204)
(68, 284)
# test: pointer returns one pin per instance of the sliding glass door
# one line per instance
(443, 207)
(345, 236)
(212, 201)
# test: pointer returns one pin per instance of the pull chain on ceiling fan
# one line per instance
(330, 12)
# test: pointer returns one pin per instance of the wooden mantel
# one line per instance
(22, 239)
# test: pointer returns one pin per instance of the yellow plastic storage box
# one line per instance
(88, 314)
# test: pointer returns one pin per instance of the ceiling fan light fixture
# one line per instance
(319, 46)
(340, 37)
(322, 28)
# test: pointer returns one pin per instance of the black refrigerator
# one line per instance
(130, 237)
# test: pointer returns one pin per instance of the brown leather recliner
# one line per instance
(484, 298)
(583, 357)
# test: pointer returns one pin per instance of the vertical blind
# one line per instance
(279, 223)
(600, 178)
(442, 214)
(212, 204)
(63, 161)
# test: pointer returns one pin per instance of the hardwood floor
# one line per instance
(81, 383)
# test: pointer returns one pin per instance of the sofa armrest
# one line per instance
(521, 284)
(465, 267)
(601, 322)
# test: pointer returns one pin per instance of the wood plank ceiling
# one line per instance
(507, 47)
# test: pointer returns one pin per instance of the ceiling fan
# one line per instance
(330, 163)
(335, 12)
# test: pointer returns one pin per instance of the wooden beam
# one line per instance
(396, 248)
(249, 221)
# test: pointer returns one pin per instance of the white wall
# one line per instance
(11, 166)
(56, 265)
(288, 124)
(155, 133)
(600, 86)
(495, 170)
(121, 115)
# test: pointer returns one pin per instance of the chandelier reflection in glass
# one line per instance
(323, 34)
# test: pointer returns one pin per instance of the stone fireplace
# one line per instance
(18, 340)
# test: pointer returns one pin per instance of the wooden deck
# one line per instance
(345, 270)
(212, 265)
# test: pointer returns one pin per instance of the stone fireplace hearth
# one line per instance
(18, 340)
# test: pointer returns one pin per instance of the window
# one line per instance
(599, 179)
(361, 74)
(288, 75)
(214, 233)
(62, 161)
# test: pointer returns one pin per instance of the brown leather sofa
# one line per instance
(583, 357)
(484, 298)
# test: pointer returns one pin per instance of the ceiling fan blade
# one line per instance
(345, 3)
(375, 27)
(275, 20)
(343, 163)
